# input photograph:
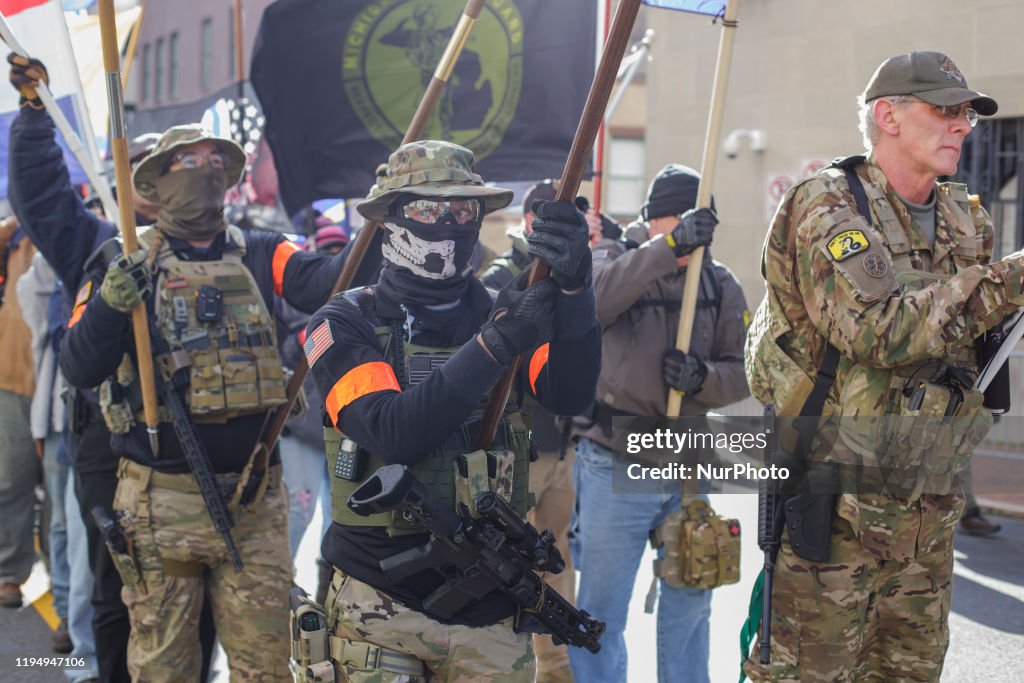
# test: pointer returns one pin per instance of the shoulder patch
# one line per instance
(748, 318)
(848, 243)
(84, 293)
(318, 342)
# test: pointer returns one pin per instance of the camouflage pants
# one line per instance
(171, 533)
(551, 484)
(859, 617)
(452, 654)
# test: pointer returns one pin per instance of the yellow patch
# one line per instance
(848, 243)
(748, 318)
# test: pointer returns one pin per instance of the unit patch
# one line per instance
(875, 265)
(846, 244)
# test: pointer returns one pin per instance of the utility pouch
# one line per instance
(702, 549)
(310, 642)
(206, 386)
(240, 379)
(272, 378)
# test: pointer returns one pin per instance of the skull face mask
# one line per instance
(432, 252)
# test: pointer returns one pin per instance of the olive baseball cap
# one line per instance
(930, 76)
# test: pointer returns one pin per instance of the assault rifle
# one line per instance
(769, 530)
(171, 378)
(496, 550)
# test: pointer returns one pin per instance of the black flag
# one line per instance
(339, 82)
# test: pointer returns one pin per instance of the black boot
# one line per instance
(974, 524)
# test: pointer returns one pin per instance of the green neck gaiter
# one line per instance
(192, 203)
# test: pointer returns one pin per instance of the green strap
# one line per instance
(749, 630)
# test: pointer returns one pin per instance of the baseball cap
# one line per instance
(930, 76)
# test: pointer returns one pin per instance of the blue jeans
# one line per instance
(305, 471)
(80, 611)
(56, 484)
(611, 530)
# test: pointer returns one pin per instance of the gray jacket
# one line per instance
(639, 291)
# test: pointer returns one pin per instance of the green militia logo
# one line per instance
(392, 50)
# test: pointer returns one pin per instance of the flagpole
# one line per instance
(599, 157)
(74, 143)
(707, 174)
(122, 172)
(572, 175)
(277, 417)
(132, 47)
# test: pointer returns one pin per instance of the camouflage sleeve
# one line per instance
(622, 276)
(726, 382)
(846, 278)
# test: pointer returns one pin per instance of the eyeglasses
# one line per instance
(196, 159)
(953, 112)
(434, 210)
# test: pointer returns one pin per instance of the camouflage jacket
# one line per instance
(894, 306)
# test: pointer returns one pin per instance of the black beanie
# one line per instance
(545, 189)
(672, 192)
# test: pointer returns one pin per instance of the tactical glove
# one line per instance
(521, 318)
(683, 372)
(560, 238)
(127, 282)
(695, 229)
(25, 76)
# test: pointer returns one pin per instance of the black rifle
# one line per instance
(497, 550)
(769, 529)
(173, 377)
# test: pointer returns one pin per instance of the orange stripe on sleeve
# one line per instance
(81, 300)
(359, 381)
(283, 252)
(537, 363)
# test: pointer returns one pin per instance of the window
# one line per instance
(232, 71)
(146, 66)
(206, 56)
(172, 86)
(625, 169)
(158, 75)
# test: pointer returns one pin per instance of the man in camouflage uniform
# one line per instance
(403, 367)
(897, 280)
(212, 287)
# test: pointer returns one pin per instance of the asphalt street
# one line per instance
(986, 624)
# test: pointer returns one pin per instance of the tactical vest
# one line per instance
(454, 473)
(214, 312)
(911, 436)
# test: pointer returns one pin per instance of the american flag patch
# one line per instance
(318, 342)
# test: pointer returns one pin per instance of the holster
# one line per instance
(809, 514)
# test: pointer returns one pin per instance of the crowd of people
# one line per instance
(879, 278)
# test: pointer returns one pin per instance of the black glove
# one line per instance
(695, 229)
(561, 239)
(521, 318)
(25, 76)
(683, 372)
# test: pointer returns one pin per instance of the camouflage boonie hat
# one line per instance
(431, 168)
(930, 76)
(173, 139)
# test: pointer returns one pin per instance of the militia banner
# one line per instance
(339, 82)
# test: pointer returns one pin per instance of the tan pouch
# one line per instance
(206, 392)
(702, 549)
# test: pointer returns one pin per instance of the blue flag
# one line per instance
(712, 8)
